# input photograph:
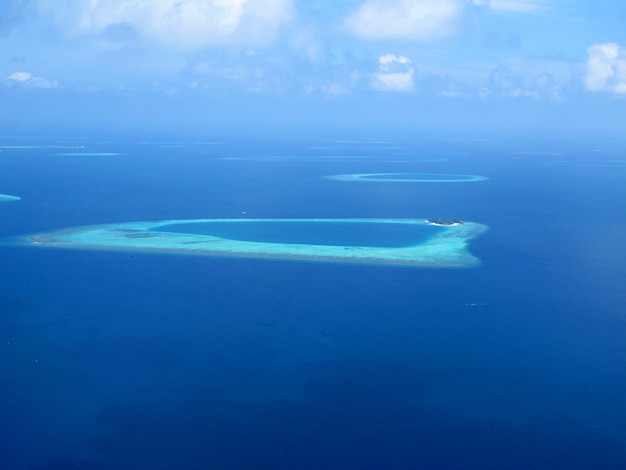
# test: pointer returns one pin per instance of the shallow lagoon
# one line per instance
(409, 242)
(368, 234)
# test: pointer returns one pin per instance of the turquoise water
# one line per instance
(8, 197)
(420, 177)
(371, 234)
(88, 154)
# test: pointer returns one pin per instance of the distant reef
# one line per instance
(7, 198)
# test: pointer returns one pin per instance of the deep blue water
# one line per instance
(121, 360)
(368, 234)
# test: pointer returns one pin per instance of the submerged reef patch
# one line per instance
(8, 198)
(412, 242)
(29, 147)
(409, 178)
(88, 154)
(592, 163)
(338, 158)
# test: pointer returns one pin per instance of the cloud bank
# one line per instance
(404, 19)
(186, 46)
(606, 68)
(186, 23)
(423, 19)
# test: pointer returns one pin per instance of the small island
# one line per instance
(446, 222)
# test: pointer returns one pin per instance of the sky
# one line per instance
(194, 65)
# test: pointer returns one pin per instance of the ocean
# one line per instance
(129, 359)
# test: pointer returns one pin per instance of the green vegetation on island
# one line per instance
(442, 221)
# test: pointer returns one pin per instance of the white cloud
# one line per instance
(189, 23)
(405, 19)
(27, 79)
(20, 76)
(395, 73)
(386, 61)
(606, 68)
(424, 19)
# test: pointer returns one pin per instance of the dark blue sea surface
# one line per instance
(126, 360)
